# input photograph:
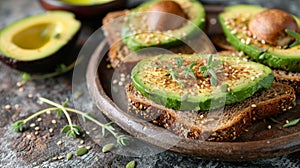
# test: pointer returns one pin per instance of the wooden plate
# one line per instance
(259, 142)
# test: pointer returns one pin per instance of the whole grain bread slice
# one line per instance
(217, 125)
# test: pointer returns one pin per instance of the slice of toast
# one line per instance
(119, 51)
(224, 125)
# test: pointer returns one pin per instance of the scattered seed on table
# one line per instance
(7, 107)
(58, 143)
(17, 106)
(32, 125)
(21, 89)
(51, 130)
(39, 119)
(53, 121)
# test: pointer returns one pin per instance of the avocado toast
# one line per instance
(246, 90)
(124, 41)
(269, 44)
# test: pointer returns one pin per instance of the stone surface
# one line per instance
(29, 150)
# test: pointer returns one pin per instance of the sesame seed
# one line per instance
(51, 130)
(87, 132)
(28, 136)
(115, 81)
(253, 105)
(21, 89)
(7, 107)
(36, 132)
(54, 158)
(19, 84)
(39, 119)
(82, 142)
(269, 126)
(17, 106)
(88, 147)
(36, 128)
(53, 121)
(59, 143)
(30, 95)
(263, 41)
(32, 125)
(287, 121)
(48, 112)
(60, 157)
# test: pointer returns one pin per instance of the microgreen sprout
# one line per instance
(295, 35)
(210, 69)
(291, 123)
(71, 129)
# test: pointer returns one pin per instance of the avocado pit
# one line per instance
(270, 25)
(159, 20)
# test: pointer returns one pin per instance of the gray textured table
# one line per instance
(29, 150)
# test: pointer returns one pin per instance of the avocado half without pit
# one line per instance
(41, 42)
(162, 23)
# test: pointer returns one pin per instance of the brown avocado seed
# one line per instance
(270, 25)
(160, 21)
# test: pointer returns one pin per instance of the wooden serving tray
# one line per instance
(258, 143)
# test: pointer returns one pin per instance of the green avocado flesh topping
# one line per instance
(177, 82)
(137, 35)
(234, 21)
(38, 36)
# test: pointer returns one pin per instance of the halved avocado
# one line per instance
(137, 35)
(168, 80)
(234, 21)
(41, 42)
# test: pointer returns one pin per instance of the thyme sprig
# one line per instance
(181, 69)
(61, 69)
(71, 129)
(291, 123)
(295, 35)
(211, 69)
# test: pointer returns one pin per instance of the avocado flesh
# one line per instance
(278, 58)
(41, 42)
(143, 38)
(150, 78)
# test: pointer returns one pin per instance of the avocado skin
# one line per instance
(198, 103)
(65, 55)
(135, 44)
(263, 55)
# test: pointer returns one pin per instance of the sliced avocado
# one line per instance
(234, 21)
(176, 81)
(40, 42)
(137, 35)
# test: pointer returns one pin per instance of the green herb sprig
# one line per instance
(71, 129)
(291, 123)
(210, 69)
(295, 35)
(186, 70)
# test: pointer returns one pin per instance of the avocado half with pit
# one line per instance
(41, 42)
(177, 81)
(182, 17)
(235, 20)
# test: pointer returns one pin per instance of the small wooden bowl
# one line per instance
(84, 11)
